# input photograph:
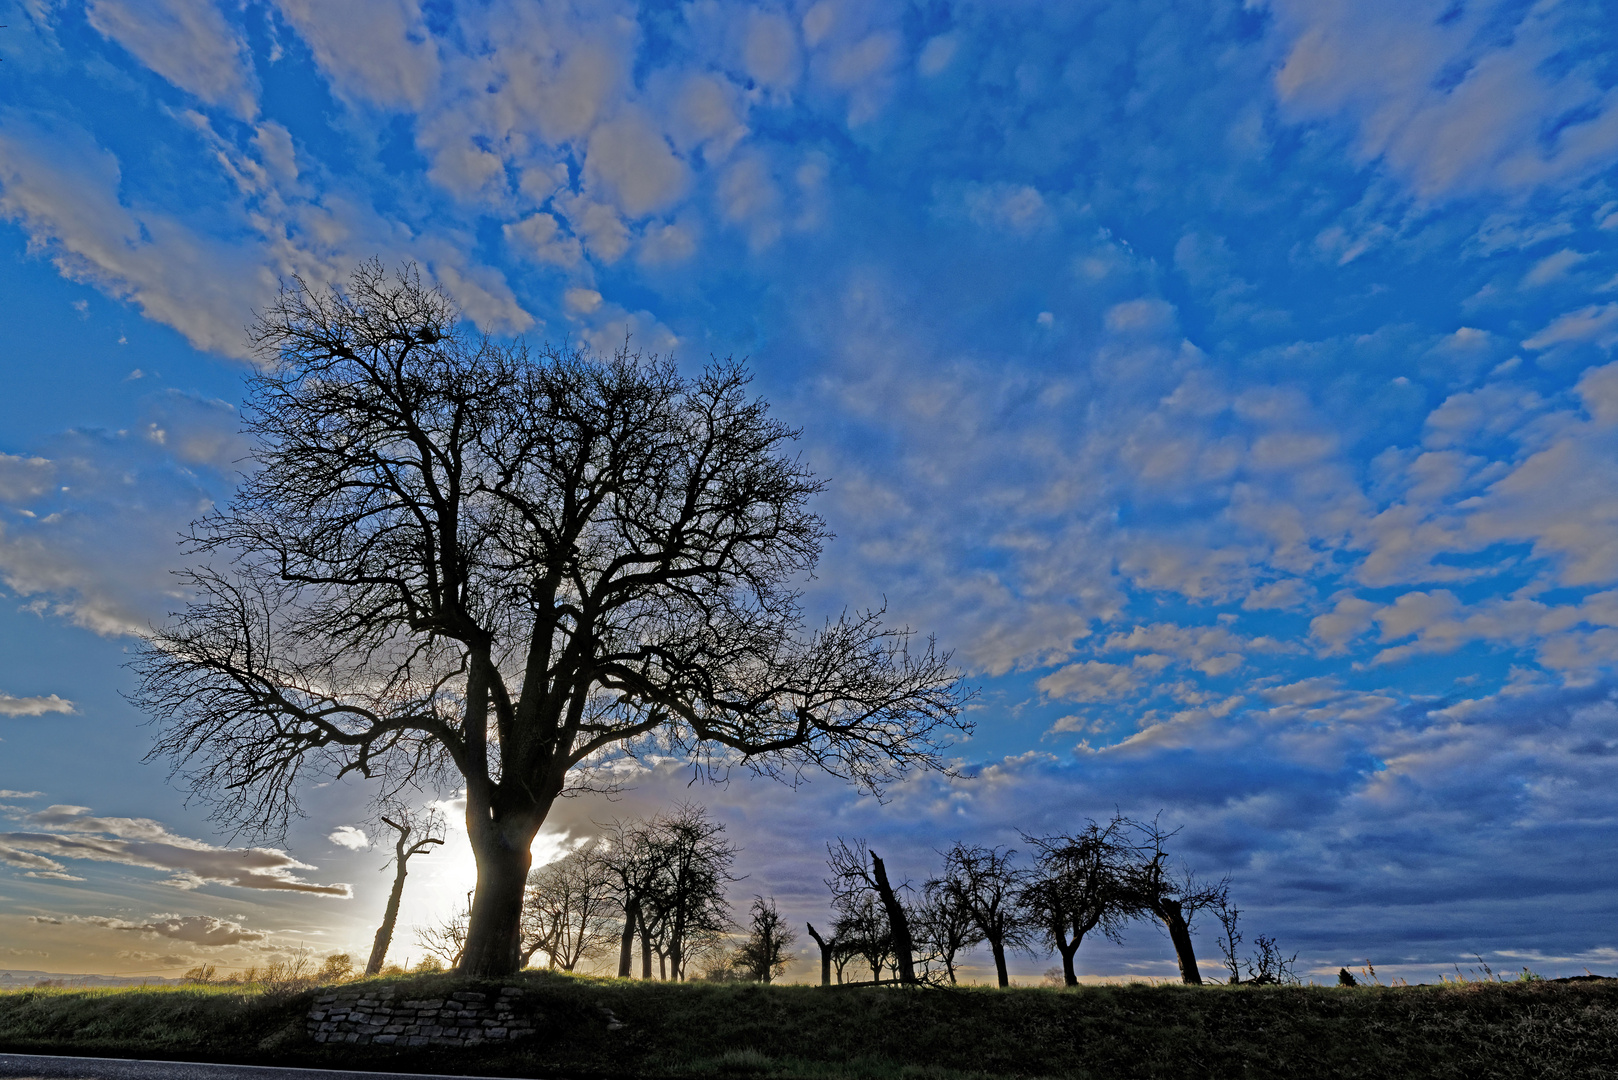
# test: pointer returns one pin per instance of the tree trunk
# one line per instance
(903, 946)
(494, 934)
(384, 933)
(998, 947)
(825, 955)
(626, 943)
(1180, 934)
(1068, 949)
(645, 951)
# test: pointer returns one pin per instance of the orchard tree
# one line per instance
(984, 883)
(462, 563)
(764, 956)
(1079, 885)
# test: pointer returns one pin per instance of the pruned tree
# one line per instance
(946, 926)
(458, 562)
(828, 951)
(1153, 888)
(983, 882)
(428, 830)
(764, 955)
(858, 873)
(1078, 885)
(569, 909)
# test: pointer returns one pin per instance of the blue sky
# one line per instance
(1230, 386)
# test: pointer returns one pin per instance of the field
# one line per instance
(1546, 1030)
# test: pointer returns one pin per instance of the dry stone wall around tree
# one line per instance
(375, 1015)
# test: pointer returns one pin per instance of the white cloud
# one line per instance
(373, 50)
(1597, 324)
(203, 930)
(72, 832)
(351, 837)
(1475, 100)
(629, 156)
(188, 42)
(33, 706)
(539, 237)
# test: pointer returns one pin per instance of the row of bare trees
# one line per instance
(1096, 879)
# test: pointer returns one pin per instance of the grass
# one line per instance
(1550, 1030)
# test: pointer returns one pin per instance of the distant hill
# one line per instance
(12, 979)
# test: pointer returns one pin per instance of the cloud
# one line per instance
(1596, 324)
(189, 43)
(72, 832)
(376, 51)
(351, 837)
(203, 930)
(33, 706)
(1454, 100)
(5, 794)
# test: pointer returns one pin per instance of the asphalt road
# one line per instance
(39, 1067)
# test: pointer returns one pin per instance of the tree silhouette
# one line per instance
(464, 563)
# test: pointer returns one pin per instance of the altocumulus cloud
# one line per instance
(73, 833)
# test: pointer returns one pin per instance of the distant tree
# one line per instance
(984, 882)
(764, 955)
(1230, 941)
(630, 859)
(686, 906)
(429, 831)
(445, 941)
(858, 873)
(1153, 888)
(569, 908)
(828, 951)
(336, 968)
(460, 562)
(945, 926)
(862, 930)
(1078, 885)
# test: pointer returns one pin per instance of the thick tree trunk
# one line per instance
(1068, 949)
(903, 946)
(384, 933)
(1180, 934)
(626, 943)
(998, 947)
(494, 935)
(825, 955)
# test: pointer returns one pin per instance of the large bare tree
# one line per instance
(1079, 885)
(460, 562)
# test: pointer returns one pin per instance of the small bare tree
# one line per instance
(1078, 885)
(1153, 888)
(764, 956)
(945, 926)
(463, 563)
(569, 909)
(445, 941)
(983, 882)
(428, 831)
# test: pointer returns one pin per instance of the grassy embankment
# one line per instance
(1544, 1030)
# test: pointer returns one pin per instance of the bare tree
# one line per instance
(686, 906)
(857, 871)
(631, 861)
(445, 941)
(460, 562)
(983, 882)
(763, 956)
(862, 930)
(428, 832)
(1153, 888)
(945, 926)
(569, 908)
(1077, 886)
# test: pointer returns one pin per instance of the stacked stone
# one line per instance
(372, 1016)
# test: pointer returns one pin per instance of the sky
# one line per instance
(1230, 386)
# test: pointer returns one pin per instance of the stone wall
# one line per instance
(372, 1015)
